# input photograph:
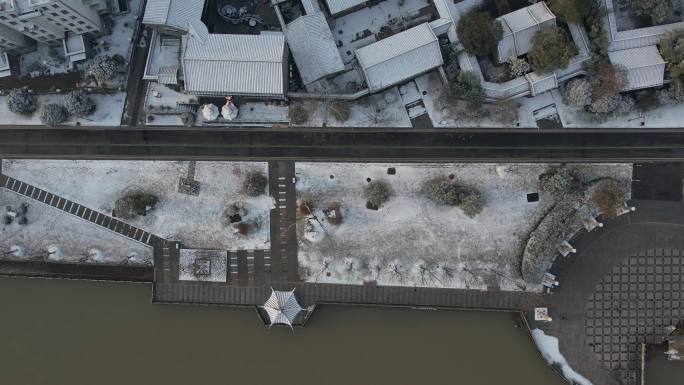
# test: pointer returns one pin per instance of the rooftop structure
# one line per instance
(313, 47)
(164, 59)
(217, 65)
(519, 27)
(49, 20)
(74, 48)
(282, 307)
(339, 6)
(645, 67)
(5, 67)
(173, 14)
(399, 57)
(10, 39)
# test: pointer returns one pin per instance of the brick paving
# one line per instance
(622, 288)
(633, 304)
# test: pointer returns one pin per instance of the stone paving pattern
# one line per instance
(633, 304)
(622, 288)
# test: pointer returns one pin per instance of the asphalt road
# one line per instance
(345, 145)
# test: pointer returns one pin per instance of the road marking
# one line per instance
(282, 207)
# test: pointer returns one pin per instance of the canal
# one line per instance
(78, 332)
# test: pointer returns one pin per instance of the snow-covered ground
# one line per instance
(71, 238)
(412, 241)
(385, 109)
(108, 112)
(196, 221)
(548, 346)
(203, 265)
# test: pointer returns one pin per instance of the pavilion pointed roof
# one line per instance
(282, 307)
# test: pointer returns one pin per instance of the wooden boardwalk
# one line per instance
(310, 294)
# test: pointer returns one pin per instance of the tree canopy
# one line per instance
(479, 33)
(551, 49)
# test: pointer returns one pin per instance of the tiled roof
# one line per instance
(645, 67)
(400, 57)
(235, 64)
(174, 13)
(313, 47)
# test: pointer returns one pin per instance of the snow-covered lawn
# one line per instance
(548, 346)
(72, 239)
(108, 112)
(385, 109)
(412, 241)
(197, 221)
(203, 265)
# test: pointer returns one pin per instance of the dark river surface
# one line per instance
(77, 332)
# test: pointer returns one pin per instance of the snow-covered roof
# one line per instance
(400, 57)
(520, 26)
(337, 6)
(234, 64)
(173, 13)
(645, 67)
(282, 307)
(313, 47)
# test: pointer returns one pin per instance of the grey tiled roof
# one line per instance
(174, 13)
(313, 47)
(235, 64)
(400, 57)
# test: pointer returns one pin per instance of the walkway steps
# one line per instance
(76, 209)
(310, 293)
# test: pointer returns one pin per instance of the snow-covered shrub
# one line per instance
(558, 181)
(305, 207)
(78, 103)
(340, 110)
(610, 197)
(20, 101)
(377, 192)
(134, 204)
(333, 214)
(53, 114)
(255, 183)
(472, 203)
(188, 119)
(443, 191)
(578, 92)
(605, 104)
(103, 68)
(241, 228)
(234, 213)
(517, 66)
(466, 87)
(298, 115)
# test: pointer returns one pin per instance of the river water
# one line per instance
(77, 332)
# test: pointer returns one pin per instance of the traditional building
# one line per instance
(400, 57)
(313, 47)
(519, 27)
(644, 65)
